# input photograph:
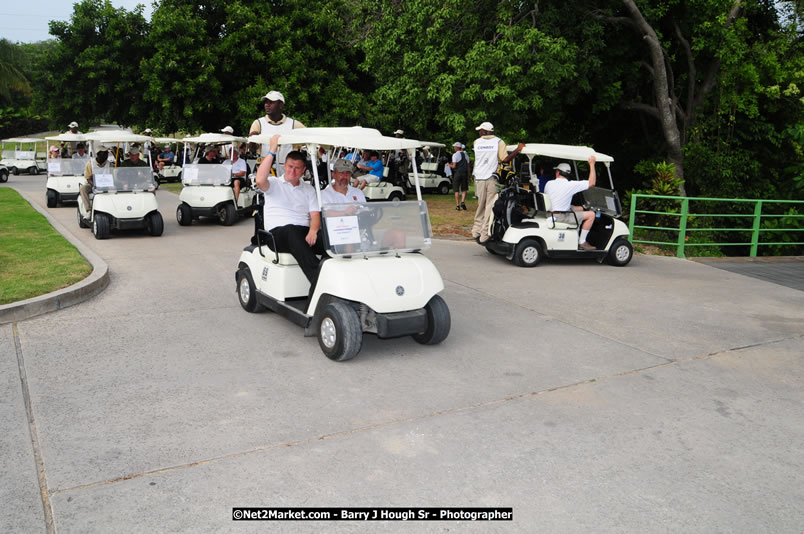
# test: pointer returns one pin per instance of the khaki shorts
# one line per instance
(574, 218)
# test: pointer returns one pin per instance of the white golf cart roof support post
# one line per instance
(608, 169)
(412, 157)
(312, 149)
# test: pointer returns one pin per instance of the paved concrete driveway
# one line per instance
(664, 396)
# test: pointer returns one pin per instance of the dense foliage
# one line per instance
(712, 87)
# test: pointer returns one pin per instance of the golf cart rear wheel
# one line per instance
(184, 215)
(33, 170)
(52, 198)
(620, 253)
(528, 253)
(396, 196)
(246, 292)
(154, 224)
(3, 175)
(227, 214)
(15, 171)
(81, 221)
(443, 188)
(339, 334)
(100, 226)
(438, 322)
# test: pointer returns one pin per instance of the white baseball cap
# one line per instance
(563, 168)
(73, 125)
(273, 95)
(228, 129)
(399, 132)
(457, 144)
(486, 126)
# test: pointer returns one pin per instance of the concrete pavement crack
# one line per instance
(421, 417)
(40, 466)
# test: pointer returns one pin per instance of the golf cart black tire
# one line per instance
(100, 226)
(81, 222)
(528, 253)
(184, 214)
(33, 171)
(438, 322)
(15, 171)
(227, 214)
(3, 176)
(250, 304)
(620, 253)
(396, 195)
(155, 224)
(177, 179)
(348, 334)
(443, 188)
(52, 198)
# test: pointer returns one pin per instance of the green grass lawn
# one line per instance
(35, 258)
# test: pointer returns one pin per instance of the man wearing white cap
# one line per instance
(490, 152)
(73, 128)
(227, 130)
(99, 165)
(460, 174)
(274, 122)
(561, 191)
(134, 159)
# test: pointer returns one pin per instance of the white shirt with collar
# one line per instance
(286, 204)
(331, 196)
(561, 191)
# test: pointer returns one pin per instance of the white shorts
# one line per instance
(370, 178)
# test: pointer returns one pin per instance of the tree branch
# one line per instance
(653, 111)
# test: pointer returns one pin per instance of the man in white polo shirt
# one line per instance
(561, 191)
(291, 210)
(274, 122)
(490, 152)
(339, 191)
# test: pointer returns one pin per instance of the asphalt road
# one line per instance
(664, 396)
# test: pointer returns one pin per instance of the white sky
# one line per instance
(27, 20)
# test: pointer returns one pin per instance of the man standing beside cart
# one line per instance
(460, 174)
(490, 153)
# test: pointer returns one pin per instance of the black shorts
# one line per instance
(460, 182)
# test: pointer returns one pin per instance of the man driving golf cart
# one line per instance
(561, 192)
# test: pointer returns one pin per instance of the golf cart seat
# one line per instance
(285, 258)
(545, 208)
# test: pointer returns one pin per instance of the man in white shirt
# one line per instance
(490, 152)
(238, 173)
(291, 210)
(561, 191)
(274, 122)
(80, 152)
(339, 191)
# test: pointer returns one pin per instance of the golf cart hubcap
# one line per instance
(328, 335)
(622, 253)
(245, 291)
(530, 254)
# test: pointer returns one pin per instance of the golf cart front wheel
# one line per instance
(15, 171)
(3, 175)
(339, 334)
(528, 253)
(438, 322)
(52, 198)
(620, 253)
(246, 292)
(100, 226)
(33, 170)
(155, 224)
(396, 196)
(443, 188)
(184, 215)
(227, 214)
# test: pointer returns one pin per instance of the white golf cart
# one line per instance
(429, 179)
(374, 277)
(523, 228)
(25, 157)
(172, 172)
(65, 176)
(206, 188)
(124, 197)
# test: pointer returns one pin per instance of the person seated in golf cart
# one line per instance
(134, 159)
(291, 212)
(339, 191)
(210, 156)
(239, 171)
(166, 157)
(54, 152)
(100, 165)
(561, 191)
(80, 152)
(373, 167)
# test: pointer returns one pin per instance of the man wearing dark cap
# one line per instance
(134, 159)
(339, 191)
(99, 165)
(274, 122)
(460, 174)
(561, 191)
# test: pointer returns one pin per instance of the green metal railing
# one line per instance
(684, 215)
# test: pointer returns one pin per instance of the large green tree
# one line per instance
(92, 74)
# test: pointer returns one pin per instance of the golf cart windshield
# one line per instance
(211, 174)
(65, 167)
(377, 228)
(125, 179)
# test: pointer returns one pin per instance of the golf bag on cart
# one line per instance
(512, 205)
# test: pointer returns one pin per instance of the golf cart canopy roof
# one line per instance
(117, 136)
(67, 136)
(432, 144)
(571, 152)
(353, 137)
(165, 140)
(23, 140)
(214, 139)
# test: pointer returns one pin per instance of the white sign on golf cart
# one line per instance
(374, 281)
